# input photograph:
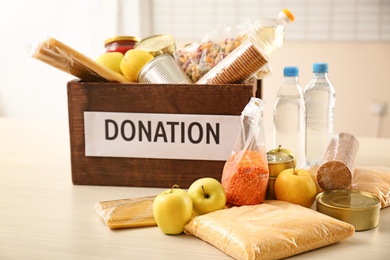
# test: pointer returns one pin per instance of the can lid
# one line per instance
(121, 38)
(157, 44)
(348, 199)
(279, 157)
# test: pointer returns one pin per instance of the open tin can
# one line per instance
(358, 208)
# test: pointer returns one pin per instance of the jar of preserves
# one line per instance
(120, 43)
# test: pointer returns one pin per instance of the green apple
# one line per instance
(172, 209)
(296, 186)
(207, 195)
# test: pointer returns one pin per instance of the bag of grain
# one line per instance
(272, 230)
(245, 174)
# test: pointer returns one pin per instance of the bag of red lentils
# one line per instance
(245, 174)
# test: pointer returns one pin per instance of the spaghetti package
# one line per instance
(127, 213)
(63, 57)
(245, 174)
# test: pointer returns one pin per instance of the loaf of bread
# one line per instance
(336, 171)
(272, 230)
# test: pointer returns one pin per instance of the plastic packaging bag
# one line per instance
(272, 230)
(240, 65)
(198, 58)
(65, 58)
(372, 179)
(245, 174)
(375, 180)
(127, 213)
(336, 171)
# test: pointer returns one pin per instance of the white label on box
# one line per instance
(165, 136)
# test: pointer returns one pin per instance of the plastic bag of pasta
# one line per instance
(127, 213)
(245, 174)
(198, 58)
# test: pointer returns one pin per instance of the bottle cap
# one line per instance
(289, 14)
(291, 71)
(320, 67)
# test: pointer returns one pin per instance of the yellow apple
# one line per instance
(133, 62)
(111, 60)
(296, 186)
(207, 195)
(172, 209)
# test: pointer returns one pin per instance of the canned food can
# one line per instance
(358, 208)
(163, 69)
(277, 162)
(157, 44)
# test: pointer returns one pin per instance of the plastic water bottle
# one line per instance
(320, 99)
(290, 117)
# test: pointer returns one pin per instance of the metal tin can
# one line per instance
(163, 70)
(358, 208)
(121, 43)
(158, 44)
(277, 162)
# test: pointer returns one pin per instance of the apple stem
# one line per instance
(175, 186)
(280, 147)
(294, 167)
(205, 193)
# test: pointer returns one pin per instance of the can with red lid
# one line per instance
(121, 43)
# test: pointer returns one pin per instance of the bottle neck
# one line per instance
(320, 74)
(291, 79)
(283, 19)
(320, 80)
(290, 86)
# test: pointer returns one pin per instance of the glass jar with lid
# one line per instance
(120, 43)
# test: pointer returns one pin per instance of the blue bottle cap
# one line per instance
(320, 67)
(291, 71)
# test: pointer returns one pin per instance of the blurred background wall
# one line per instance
(353, 36)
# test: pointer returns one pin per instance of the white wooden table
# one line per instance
(44, 216)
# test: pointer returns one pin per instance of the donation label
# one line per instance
(164, 136)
